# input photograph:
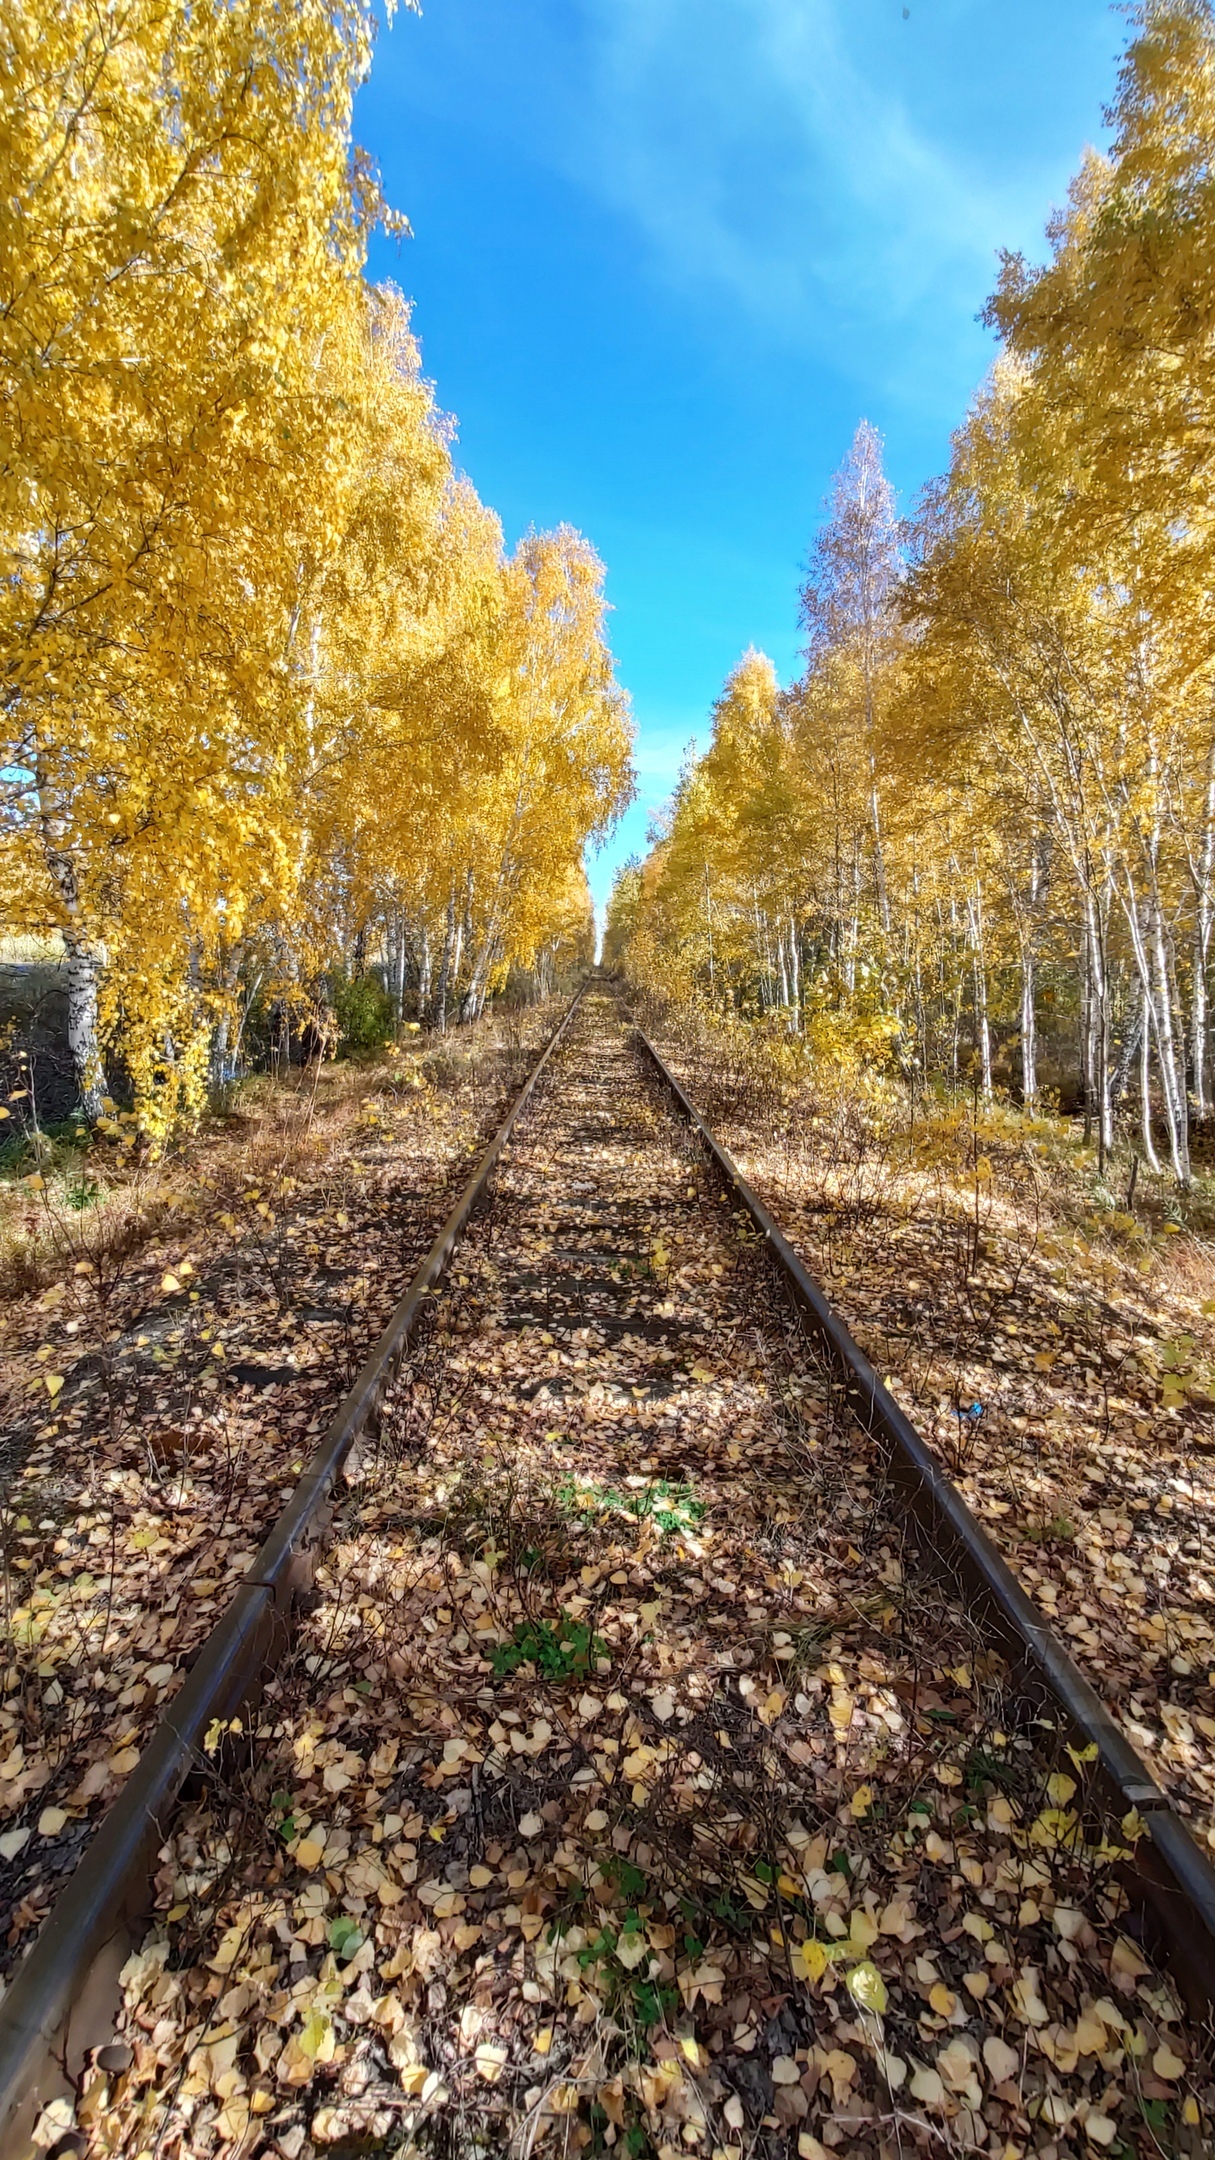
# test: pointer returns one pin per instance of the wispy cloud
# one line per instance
(822, 174)
(768, 151)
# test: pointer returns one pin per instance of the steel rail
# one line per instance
(62, 1998)
(1170, 1879)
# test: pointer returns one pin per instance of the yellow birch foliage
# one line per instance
(263, 661)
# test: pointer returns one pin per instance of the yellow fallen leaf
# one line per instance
(490, 2060)
(1054, 1826)
(811, 1958)
(957, 2064)
(630, 1950)
(840, 1710)
(942, 2000)
(543, 2040)
(861, 1802)
(1091, 2035)
(867, 1987)
(1003, 2062)
(317, 2039)
(309, 1852)
(1166, 2064)
(862, 1930)
(1029, 2004)
(54, 1381)
(51, 1821)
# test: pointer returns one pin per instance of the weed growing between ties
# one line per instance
(566, 1830)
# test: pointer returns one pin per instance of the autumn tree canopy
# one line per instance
(978, 833)
(272, 688)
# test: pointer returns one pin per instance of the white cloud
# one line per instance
(818, 174)
(767, 150)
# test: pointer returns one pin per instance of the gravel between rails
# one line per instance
(631, 1786)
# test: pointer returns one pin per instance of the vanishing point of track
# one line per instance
(629, 1385)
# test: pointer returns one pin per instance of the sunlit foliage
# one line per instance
(274, 697)
(978, 835)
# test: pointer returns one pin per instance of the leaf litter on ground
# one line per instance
(1064, 1369)
(196, 1371)
(585, 1827)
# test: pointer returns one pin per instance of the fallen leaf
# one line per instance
(927, 2086)
(867, 1987)
(1002, 2061)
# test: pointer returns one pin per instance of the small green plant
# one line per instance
(670, 1507)
(345, 1936)
(625, 1878)
(70, 1132)
(983, 1768)
(364, 1014)
(43, 1146)
(284, 1808)
(1050, 1530)
(650, 2003)
(1180, 1376)
(14, 1153)
(565, 1650)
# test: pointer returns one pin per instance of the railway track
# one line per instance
(626, 1738)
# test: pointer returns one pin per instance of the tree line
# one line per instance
(977, 836)
(277, 700)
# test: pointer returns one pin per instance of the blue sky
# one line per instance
(667, 253)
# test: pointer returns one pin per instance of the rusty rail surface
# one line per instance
(1170, 1879)
(63, 1996)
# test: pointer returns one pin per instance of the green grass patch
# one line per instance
(566, 1649)
(670, 1507)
